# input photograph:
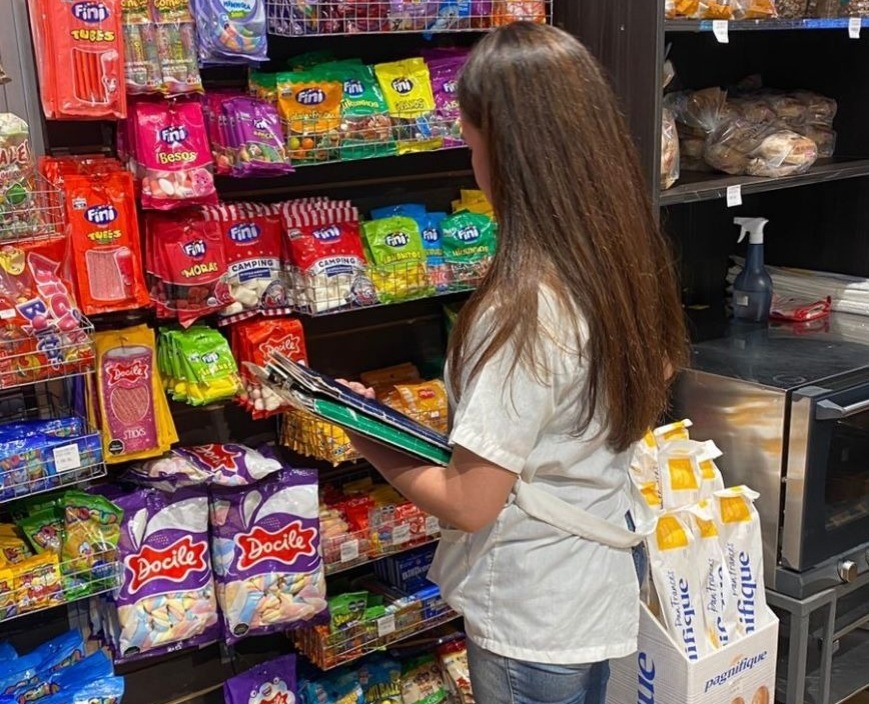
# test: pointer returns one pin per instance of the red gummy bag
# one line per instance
(101, 210)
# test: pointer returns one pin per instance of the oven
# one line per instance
(790, 410)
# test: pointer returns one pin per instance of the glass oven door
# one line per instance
(829, 456)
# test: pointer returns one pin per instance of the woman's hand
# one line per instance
(360, 389)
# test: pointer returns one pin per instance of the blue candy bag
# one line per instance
(7, 652)
(18, 673)
(92, 668)
(108, 690)
(60, 652)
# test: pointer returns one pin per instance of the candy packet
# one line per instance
(142, 69)
(187, 266)
(166, 599)
(508, 11)
(366, 128)
(719, 606)
(398, 259)
(197, 365)
(74, 669)
(454, 661)
(327, 264)
(89, 545)
(451, 15)
(739, 533)
(44, 530)
(230, 32)
(291, 18)
(406, 86)
(104, 232)
(309, 103)
(266, 553)
(252, 241)
(37, 582)
(136, 421)
(444, 79)
(422, 682)
(19, 214)
(257, 138)
(273, 682)
(107, 690)
(173, 151)
(79, 56)
(255, 341)
(469, 242)
(231, 465)
(411, 15)
(676, 572)
(41, 331)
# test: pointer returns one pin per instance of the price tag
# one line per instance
(721, 30)
(734, 196)
(349, 551)
(385, 625)
(401, 534)
(854, 26)
(432, 525)
(66, 458)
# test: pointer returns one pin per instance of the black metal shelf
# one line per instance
(694, 187)
(806, 24)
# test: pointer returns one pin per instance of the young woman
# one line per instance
(557, 365)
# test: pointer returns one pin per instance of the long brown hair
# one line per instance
(573, 211)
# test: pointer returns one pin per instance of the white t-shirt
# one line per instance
(529, 591)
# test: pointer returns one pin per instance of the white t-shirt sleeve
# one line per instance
(500, 415)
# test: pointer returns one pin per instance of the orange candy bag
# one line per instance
(79, 52)
(101, 210)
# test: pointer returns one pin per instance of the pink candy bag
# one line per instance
(173, 154)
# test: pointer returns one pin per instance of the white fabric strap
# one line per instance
(555, 512)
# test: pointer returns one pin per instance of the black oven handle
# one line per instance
(828, 410)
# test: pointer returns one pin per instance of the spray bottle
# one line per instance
(752, 290)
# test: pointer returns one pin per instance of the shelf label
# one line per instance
(66, 458)
(385, 625)
(349, 551)
(401, 534)
(721, 30)
(432, 525)
(854, 26)
(734, 196)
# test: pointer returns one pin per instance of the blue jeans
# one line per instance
(500, 680)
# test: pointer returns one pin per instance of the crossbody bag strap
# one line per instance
(556, 512)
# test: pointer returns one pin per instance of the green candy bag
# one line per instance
(366, 128)
(469, 242)
(44, 530)
(398, 259)
(89, 550)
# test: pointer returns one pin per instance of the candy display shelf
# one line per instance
(54, 584)
(695, 186)
(372, 286)
(331, 18)
(386, 536)
(807, 23)
(330, 650)
(34, 215)
(29, 357)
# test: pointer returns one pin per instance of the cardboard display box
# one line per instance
(660, 672)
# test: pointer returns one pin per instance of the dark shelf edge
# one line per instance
(807, 24)
(716, 187)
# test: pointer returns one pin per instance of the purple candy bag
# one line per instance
(411, 15)
(273, 682)
(258, 138)
(444, 82)
(266, 554)
(481, 13)
(166, 599)
(230, 464)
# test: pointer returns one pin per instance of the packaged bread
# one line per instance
(792, 9)
(669, 150)
(755, 10)
(823, 137)
(741, 147)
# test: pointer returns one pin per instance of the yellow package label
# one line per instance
(680, 471)
(670, 534)
(734, 509)
(406, 86)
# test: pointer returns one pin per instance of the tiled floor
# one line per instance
(860, 698)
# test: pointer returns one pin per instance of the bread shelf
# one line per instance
(694, 187)
(809, 23)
